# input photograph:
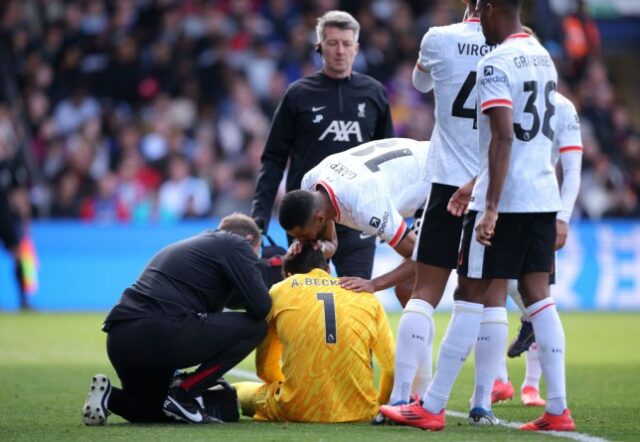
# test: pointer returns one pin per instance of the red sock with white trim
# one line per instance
(551, 347)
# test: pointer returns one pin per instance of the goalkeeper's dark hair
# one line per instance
(514, 5)
(307, 259)
(242, 225)
(296, 209)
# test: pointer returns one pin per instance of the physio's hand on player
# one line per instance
(562, 231)
(486, 227)
(357, 284)
(459, 201)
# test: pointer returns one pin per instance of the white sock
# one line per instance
(503, 373)
(534, 369)
(414, 336)
(458, 341)
(551, 348)
(489, 353)
(423, 376)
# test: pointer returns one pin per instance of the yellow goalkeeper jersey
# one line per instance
(317, 356)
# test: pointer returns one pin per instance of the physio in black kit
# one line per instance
(172, 318)
(320, 115)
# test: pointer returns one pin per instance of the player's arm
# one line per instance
(384, 350)
(405, 271)
(569, 142)
(329, 240)
(421, 77)
(269, 353)
(494, 94)
(390, 226)
(571, 163)
(242, 268)
(274, 160)
(268, 357)
(501, 123)
(460, 199)
(384, 124)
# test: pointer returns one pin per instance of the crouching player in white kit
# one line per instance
(372, 188)
(505, 236)
(567, 148)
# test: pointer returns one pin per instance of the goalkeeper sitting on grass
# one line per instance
(316, 358)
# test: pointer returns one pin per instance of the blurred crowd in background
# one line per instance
(157, 110)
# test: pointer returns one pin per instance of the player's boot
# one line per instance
(180, 406)
(530, 397)
(502, 391)
(551, 422)
(94, 411)
(480, 416)
(380, 419)
(414, 415)
(523, 341)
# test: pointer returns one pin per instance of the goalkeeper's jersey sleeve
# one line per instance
(326, 336)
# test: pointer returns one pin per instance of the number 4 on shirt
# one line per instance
(458, 109)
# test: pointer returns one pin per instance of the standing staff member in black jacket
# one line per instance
(171, 318)
(319, 115)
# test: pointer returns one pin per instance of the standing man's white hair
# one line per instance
(337, 19)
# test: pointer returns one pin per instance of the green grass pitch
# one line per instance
(47, 360)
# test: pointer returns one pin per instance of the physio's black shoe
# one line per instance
(523, 341)
(181, 407)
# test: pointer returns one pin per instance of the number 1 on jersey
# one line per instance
(330, 329)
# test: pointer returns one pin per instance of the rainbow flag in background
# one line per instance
(29, 262)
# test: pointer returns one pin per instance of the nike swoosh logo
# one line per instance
(365, 236)
(195, 417)
(316, 109)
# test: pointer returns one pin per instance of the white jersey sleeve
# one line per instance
(568, 148)
(567, 128)
(421, 80)
(429, 51)
(493, 85)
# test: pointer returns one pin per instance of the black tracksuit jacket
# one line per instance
(317, 117)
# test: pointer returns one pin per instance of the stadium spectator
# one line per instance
(172, 318)
(227, 64)
(314, 332)
(183, 195)
(581, 40)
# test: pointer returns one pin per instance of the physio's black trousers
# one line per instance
(146, 352)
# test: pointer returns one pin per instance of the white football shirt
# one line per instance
(375, 185)
(520, 74)
(450, 54)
